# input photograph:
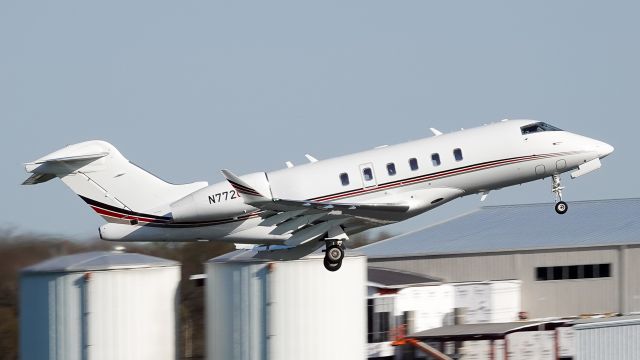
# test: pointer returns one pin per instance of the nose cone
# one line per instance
(603, 149)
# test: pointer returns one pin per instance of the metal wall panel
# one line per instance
(539, 298)
(286, 310)
(132, 313)
(631, 279)
(456, 268)
(116, 314)
(615, 340)
(50, 317)
(568, 297)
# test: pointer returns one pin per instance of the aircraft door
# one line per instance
(368, 175)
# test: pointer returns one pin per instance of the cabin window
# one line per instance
(367, 174)
(457, 154)
(413, 164)
(435, 159)
(344, 179)
(391, 169)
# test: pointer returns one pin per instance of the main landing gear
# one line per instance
(561, 206)
(334, 250)
(333, 255)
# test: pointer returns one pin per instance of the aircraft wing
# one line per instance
(308, 220)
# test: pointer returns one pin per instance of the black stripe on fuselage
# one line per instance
(122, 211)
(244, 189)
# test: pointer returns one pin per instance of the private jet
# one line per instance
(299, 209)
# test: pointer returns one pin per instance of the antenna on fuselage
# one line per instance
(435, 131)
(310, 158)
(289, 164)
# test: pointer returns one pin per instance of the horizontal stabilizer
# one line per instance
(61, 162)
(38, 178)
(72, 158)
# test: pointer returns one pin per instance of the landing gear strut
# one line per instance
(556, 188)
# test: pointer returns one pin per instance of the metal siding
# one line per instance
(236, 307)
(308, 303)
(132, 314)
(618, 342)
(50, 317)
(632, 279)
(286, 310)
(568, 297)
(539, 298)
(457, 268)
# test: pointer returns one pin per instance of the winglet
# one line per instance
(249, 194)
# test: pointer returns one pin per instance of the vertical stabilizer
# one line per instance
(106, 180)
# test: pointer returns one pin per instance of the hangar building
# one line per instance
(582, 262)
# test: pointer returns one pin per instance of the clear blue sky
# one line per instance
(185, 88)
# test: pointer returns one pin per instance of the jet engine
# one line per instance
(218, 201)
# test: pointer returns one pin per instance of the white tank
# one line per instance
(99, 305)
(278, 310)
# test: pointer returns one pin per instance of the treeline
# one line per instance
(18, 251)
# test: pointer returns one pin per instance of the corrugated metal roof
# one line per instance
(591, 323)
(98, 260)
(390, 278)
(521, 227)
(483, 331)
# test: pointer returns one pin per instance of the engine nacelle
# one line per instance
(218, 201)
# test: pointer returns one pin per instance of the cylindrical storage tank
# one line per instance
(99, 305)
(279, 310)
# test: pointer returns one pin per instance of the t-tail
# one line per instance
(113, 187)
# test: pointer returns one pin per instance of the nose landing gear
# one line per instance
(561, 206)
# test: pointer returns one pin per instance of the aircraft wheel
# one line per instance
(561, 207)
(334, 254)
(332, 266)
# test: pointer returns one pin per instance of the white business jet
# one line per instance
(300, 208)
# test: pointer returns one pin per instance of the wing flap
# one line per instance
(296, 223)
(312, 232)
(281, 217)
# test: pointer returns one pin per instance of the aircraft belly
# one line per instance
(177, 232)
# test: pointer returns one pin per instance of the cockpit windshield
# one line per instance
(538, 127)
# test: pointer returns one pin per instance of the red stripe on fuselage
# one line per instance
(435, 176)
(124, 216)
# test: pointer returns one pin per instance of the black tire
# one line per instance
(332, 266)
(334, 254)
(561, 207)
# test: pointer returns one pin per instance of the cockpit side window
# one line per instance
(538, 127)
